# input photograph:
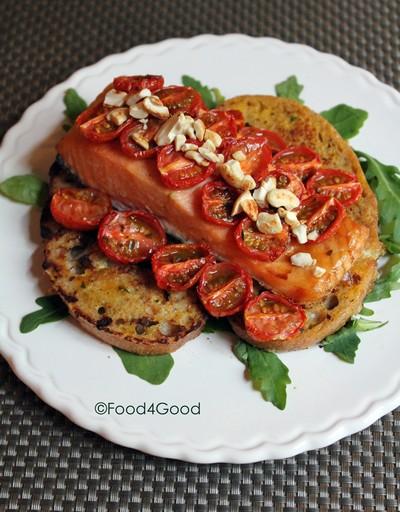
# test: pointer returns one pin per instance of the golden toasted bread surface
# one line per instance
(298, 125)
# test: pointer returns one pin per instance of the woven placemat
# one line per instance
(47, 463)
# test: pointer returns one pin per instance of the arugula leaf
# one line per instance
(153, 369)
(347, 120)
(266, 371)
(52, 309)
(366, 311)
(26, 189)
(385, 182)
(74, 105)
(344, 343)
(388, 282)
(216, 324)
(290, 88)
(212, 97)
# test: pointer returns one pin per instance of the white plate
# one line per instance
(72, 371)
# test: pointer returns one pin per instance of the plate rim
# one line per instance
(46, 389)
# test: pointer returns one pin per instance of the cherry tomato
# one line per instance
(100, 129)
(217, 200)
(274, 140)
(322, 214)
(130, 236)
(146, 133)
(224, 288)
(238, 117)
(335, 183)
(177, 267)
(300, 159)
(220, 121)
(136, 83)
(256, 151)
(79, 208)
(181, 99)
(260, 245)
(289, 180)
(178, 172)
(272, 317)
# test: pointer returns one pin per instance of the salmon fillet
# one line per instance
(137, 183)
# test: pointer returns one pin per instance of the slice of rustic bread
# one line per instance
(299, 125)
(119, 304)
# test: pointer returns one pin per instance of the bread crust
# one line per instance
(299, 125)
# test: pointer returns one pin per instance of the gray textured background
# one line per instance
(46, 463)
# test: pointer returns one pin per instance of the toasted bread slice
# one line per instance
(119, 304)
(299, 125)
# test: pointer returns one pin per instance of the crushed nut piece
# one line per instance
(132, 99)
(155, 107)
(302, 259)
(239, 156)
(137, 111)
(283, 197)
(319, 271)
(269, 223)
(199, 129)
(196, 157)
(180, 140)
(260, 193)
(215, 137)
(300, 232)
(118, 116)
(245, 203)
(114, 98)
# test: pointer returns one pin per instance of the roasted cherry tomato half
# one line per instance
(290, 181)
(136, 83)
(220, 121)
(177, 267)
(300, 159)
(217, 200)
(238, 117)
(101, 129)
(224, 288)
(138, 132)
(130, 236)
(79, 208)
(260, 245)
(181, 99)
(335, 183)
(322, 215)
(179, 172)
(256, 151)
(272, 317)
(274, 140)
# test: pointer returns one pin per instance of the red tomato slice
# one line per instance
(289, 180)
(260, 245)
(274, 140)
(177, 267)
(147, 133)
(79, 208)
(300, 159)
(257, 152)
(177, 171)
(130, 236)
(217, 200)
(238, 117)
(136, 83)
(321, 214)
(181, 99)
(272, 317)
(220, 121)
(224, 288)
(335, 183)
(100, 129)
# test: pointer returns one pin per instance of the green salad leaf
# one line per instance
(347, 120)
(74, 105)
(216, 324)
(387, 282)
(385, 182)
(212, 97)
(26, 189)
(152, 369)
(344, 343)
(52, 309)
(290, 88)
(266, 371)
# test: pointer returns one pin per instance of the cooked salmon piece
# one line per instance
(137, 183)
